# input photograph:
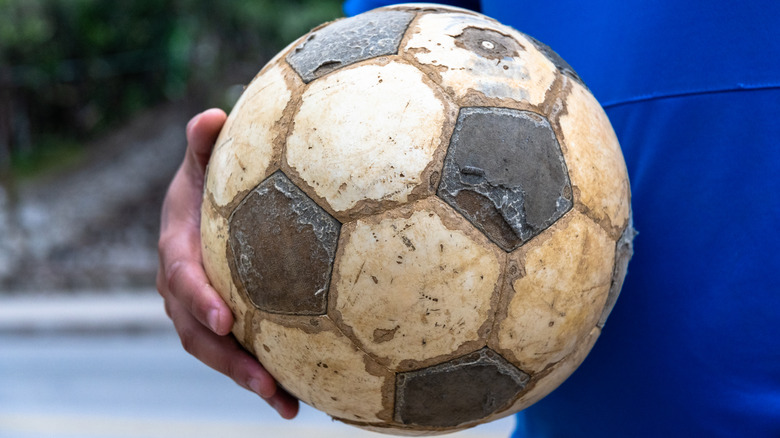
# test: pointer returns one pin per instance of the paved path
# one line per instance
(95, 224)
(112, 366)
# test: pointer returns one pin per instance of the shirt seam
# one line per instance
(671, 95)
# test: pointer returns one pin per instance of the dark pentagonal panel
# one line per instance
(556, 59)
(283, 247)
(457, 392)
(488, 43)
(624, 250)
(348, 41)
(504, 171)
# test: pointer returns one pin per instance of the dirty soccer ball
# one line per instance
(419, 217)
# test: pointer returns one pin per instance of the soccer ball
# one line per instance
(420, 218)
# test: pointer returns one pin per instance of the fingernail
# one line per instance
(212, 318)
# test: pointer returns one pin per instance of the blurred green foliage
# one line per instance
(72, 68)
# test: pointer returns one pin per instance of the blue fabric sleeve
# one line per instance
(636, 50)
(693, 345)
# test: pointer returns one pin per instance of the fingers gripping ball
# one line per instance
(420, 218)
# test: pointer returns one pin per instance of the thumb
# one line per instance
(202, 133)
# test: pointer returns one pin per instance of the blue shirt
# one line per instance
(692, 89)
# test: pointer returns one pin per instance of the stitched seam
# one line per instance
(660, 96)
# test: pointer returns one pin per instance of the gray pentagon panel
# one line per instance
(283, 246)
(348, 41)
(460, 391)
(488, 43)
(504, 171)
(624, 250)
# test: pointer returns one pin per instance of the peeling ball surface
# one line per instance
(558, 298)
(324, 369)
(410, 288)
(348, 41)
(458, 391)
(556, 59)
(214, 243)
(472, 53)
(283, 245)
(505, 172)
(414, 205)
(624, 250)
(596, 165)
(245, 149)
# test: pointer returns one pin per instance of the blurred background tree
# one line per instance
(71, 69)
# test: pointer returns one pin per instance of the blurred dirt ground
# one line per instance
(95, 225)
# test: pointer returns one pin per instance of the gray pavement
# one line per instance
(88, 365)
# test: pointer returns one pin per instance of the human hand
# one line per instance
(200, 316)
